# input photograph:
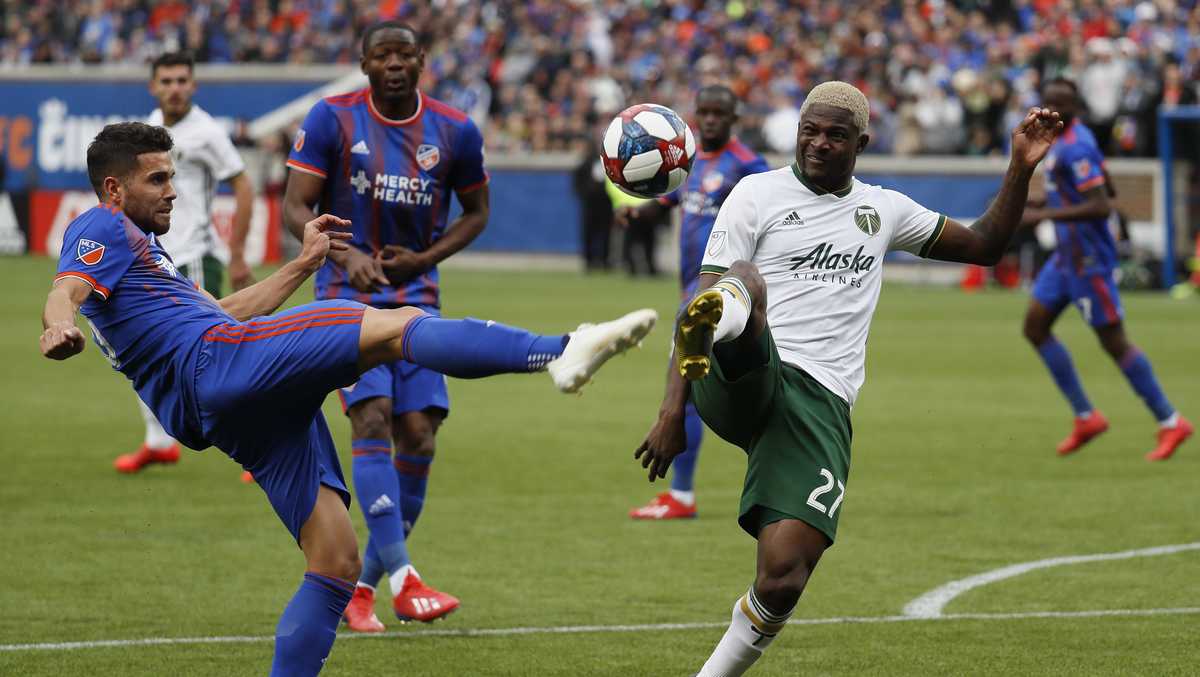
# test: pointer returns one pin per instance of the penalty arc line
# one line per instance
(588, 629)
(931, 604)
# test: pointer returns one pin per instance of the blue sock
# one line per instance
(379, 498)
(413, 474)
(473, 348)
(372, 567)
(308, 626)
(685, 463)
(1058, 361)
(1137, 369)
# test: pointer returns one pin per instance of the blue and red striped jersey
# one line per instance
(1074, 166)
(713, 175)
(391, 178)
(146, 317)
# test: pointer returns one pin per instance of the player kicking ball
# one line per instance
(227, 374)
(772, 348)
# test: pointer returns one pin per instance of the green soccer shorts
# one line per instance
(796, 435)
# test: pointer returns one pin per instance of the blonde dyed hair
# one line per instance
(841, 95)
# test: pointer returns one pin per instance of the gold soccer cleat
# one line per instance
(694, 334)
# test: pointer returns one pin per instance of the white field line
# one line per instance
(586, 629)
(931, 604)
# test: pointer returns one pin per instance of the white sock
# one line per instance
(1084, 416)
(1170, 421)
(684, 497)
(750, 632)
(396, 580)
(156, 437)
(737, 309)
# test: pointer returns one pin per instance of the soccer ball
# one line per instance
(648, 150)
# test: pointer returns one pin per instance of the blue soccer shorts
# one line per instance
(259, 386)
(1093, 293)
(410, 387)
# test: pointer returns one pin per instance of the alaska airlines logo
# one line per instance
(822, 257)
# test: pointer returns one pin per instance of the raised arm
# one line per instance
(984, 242)
(320, 236)
(1095, 205)
(61, 338)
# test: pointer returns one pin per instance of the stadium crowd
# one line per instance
(538, 75)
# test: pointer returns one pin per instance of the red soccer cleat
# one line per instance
(1085, 430)
(1169, 440)
(664, 507)
(247, 478)
(419, 602)
(144, 456)
(360, 612)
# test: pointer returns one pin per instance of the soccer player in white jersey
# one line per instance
(203, 156)
(771, 348)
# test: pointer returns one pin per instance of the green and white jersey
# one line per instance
(203, 156)
(821, 256)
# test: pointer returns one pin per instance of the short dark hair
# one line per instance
(385, 25)
(1063, 82)
(115, 150)
(173, 59)
(718, 91)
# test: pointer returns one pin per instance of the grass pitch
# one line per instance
(954, 474)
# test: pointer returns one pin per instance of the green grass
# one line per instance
(954, 474)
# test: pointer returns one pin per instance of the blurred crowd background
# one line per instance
(944, 77)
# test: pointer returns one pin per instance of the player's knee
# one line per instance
(1035, 333)
(372, 419)
(748, 273)
(416, 443)
(780, 587)
(343, 563)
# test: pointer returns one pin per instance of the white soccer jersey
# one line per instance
(204, 156)
(820, 255)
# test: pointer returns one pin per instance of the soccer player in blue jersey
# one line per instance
(389, 158)
(227, 374)
(1080, 272)
(720, 164)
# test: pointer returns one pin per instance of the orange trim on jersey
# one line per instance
(96, 286)
(224, 331)
(306, 168)
(287, 320)
(475, 186)
(396, 123)
(1094, 182)
(215, 338)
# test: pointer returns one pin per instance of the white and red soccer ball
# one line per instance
(647, 150)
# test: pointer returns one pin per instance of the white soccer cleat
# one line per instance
(591, 345)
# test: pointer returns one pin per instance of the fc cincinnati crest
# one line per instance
(428, 156)
(89, 251)
(867, 219)
(299, 141)
(712, 182)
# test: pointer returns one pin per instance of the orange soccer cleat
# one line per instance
(1169, 440)
(1085, 429)
(144, 456)
(664, 507)
(360, 612)
(419, 602)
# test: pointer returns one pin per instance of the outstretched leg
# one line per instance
(788, 552)
(472, 348)
(724, 321)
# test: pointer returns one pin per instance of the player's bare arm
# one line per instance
(985, 241)
(667, 438)
(1095, 205)
(61, 338)
(299, 199)
(240, 275)
(401, 264)
(628, 215)
(322, 235)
